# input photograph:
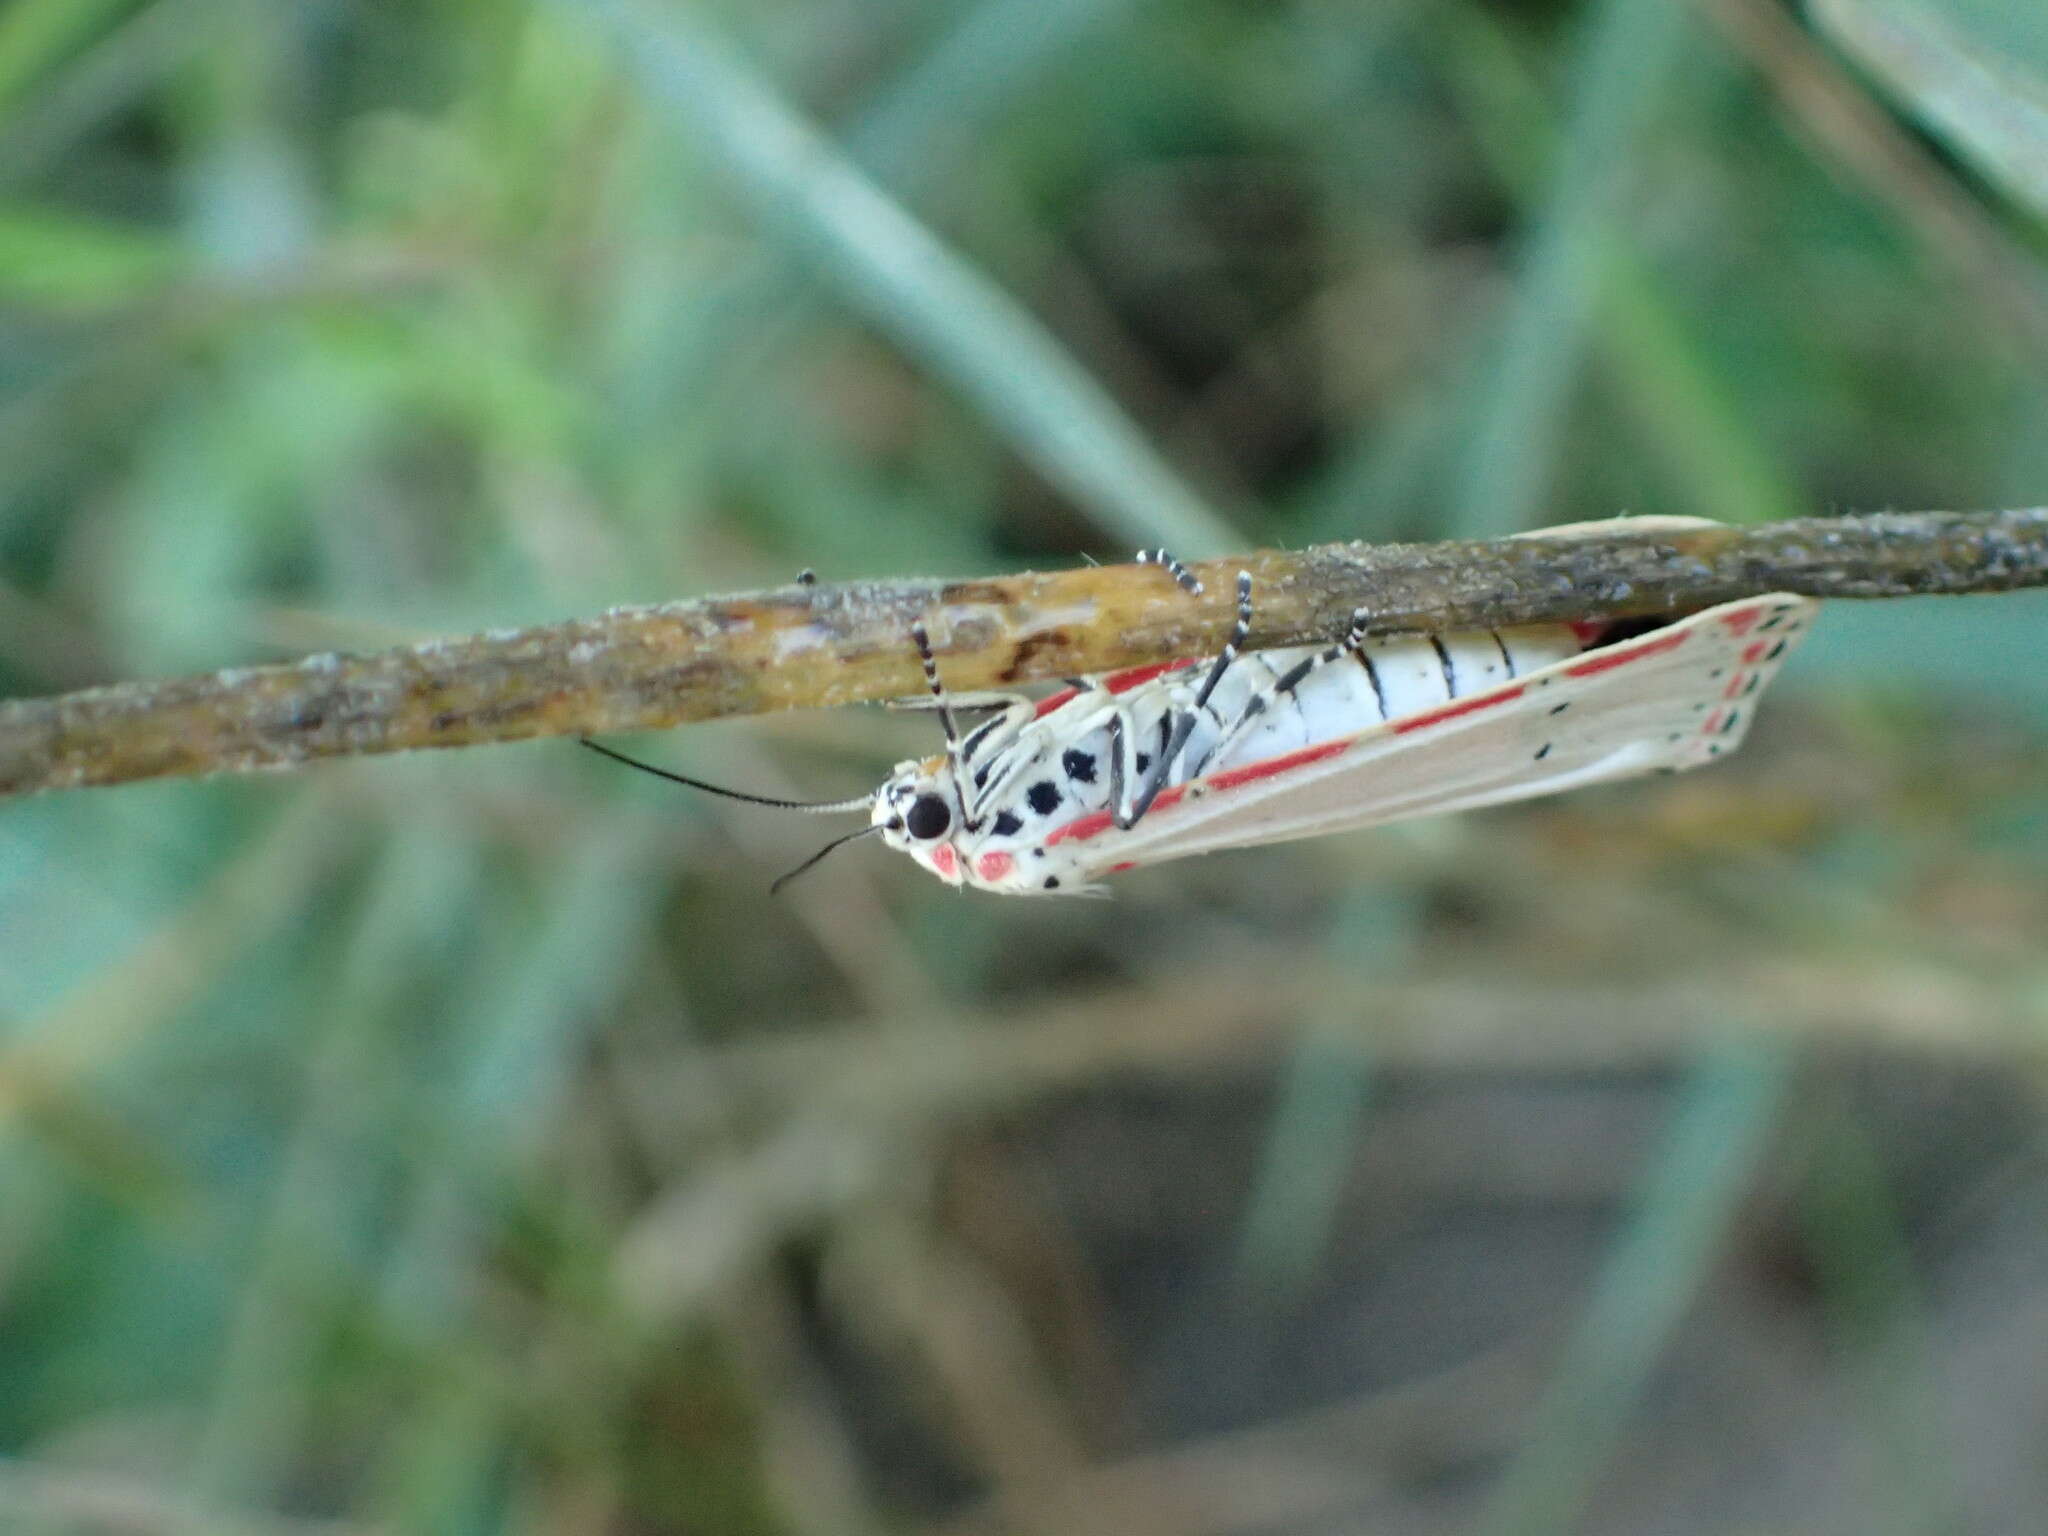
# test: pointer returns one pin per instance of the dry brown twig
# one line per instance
(637, 669)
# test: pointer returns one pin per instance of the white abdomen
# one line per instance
(1395, 675)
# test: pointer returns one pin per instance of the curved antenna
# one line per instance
(860, 804)
(837, 842)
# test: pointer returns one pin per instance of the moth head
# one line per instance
(918, 810)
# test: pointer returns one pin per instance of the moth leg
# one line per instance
(961, 701)
(993, 790)
(1180, 573)
(985, 746)
(923, 641)
(1123, 770)
(1184, 720)
(1284, 685)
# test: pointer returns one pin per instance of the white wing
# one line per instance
(1675, 698)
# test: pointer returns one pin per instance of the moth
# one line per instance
(1046, 796)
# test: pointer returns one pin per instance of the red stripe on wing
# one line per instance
(1452, 711)
(1080, 829)
(1621, 656)
(1266, 768)
(1115, 682)
(1124, 682)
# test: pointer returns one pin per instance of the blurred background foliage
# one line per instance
(469, 1144)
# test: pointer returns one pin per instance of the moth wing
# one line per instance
(1675, 698)
(1653, 523)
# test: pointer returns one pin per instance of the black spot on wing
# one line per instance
(1079, 765)
(1558, 709)
(1144, 761)
(1544, 752)
(1052, 882)
(1007, 824)
(1043, 797)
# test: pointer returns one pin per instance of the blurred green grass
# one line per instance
(380, 1145)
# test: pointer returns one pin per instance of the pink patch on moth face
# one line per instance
(994, 866)
(944, 861)
(1622, 655)
(1735, 686)
(1713, 724)
(1452, 711)
(1739, 622)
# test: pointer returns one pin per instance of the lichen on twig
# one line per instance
(799, 647)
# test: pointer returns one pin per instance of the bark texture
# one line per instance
(636, 669)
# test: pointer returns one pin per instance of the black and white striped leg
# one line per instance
(922, 639)
(1353, 643)
(1184, 722)
(1173, 568)
(944, 706)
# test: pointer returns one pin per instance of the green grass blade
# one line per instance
(911, 284)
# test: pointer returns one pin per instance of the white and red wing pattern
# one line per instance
(1672, 699)
(1191, 756)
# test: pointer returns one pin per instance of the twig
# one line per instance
(648, 668)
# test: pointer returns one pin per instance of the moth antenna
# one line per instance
(837, 842)
(923, 640)
(860, 804)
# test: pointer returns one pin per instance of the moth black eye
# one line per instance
(928, 818)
